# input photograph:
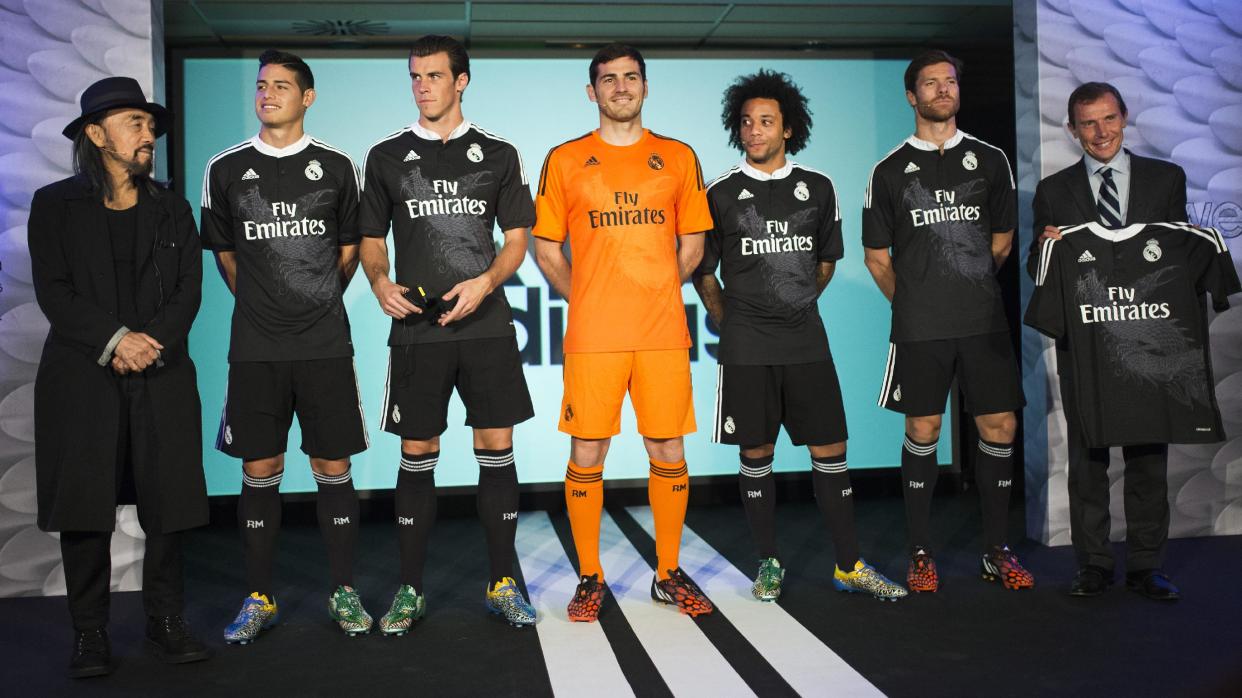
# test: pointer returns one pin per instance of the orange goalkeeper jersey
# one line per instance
(623, 208)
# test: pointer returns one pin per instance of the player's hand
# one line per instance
(119, 366)
(1050, 231)
(137, 351)
(391, 299)
(469, 294)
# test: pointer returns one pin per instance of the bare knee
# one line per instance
(331, 468)
(923, 429)
(827, 450)
(588, 453)
(264, 467)
(666, 450)
(493, 439)
(999, 427)
(420, 447)
(760, 451)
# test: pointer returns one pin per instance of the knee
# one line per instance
(760, 451)
(923, 429)
(331, 468)
(665, 450)
(998, 428)
(588, 453)
(264, 467)
(828, 451)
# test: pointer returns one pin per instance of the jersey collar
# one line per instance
(1116, 235)
(429, 135)
(750, 171)
(928, 145)
(273, 151)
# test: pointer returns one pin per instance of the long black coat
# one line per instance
(77, 402)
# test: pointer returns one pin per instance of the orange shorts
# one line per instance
(658, 382)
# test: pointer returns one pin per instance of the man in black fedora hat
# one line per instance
(117, 268)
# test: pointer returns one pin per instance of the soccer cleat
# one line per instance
(866, 579)
(258, 613)
(767, 586)
(921, 575)
(681, 591)
(588, 598)
(506, 601)
(346, 609)
(407, 606)
(1001, 565)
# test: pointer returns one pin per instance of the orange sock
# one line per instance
(584, 498)
(668, 490)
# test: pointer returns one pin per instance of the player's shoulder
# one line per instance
(389, 143)
(984, 149)
(488, 138)
(673, 145)
(230, 156)
(329, 153)
(570, 148)
(727, 179)
(811, 176)
(896, 161)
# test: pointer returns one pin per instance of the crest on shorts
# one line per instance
(313, 171)
(569, 412)
(897, 394)
(655, 162)
(969, 161)
(396, 414)
(228, 434)
(1152, 251)
(474, 153)
(801, 193)
(729, 426)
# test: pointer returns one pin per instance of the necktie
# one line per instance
(1107, 203)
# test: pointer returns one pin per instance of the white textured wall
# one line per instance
(50, 50)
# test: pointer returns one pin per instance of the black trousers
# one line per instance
(1146, 493)
(87, 554)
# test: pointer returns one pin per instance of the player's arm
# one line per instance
(226, 262)
(550, 256)
(689, 254)
(471, 292)
(1002, 243)
(374, 254)
(823, 274)
(709, 289)
(880, 263)
(347, 263)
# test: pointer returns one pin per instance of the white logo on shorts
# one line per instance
(474, 153)
(228, 434)
(801, 193)
(897, 394)
(969, 161)
(396, 414)
(729, 427)
(313, 171)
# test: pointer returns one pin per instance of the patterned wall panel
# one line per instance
(50, 50)
(1178, 63)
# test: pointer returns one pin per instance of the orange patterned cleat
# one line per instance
(1001, 565)
(681, 591)
(921, 575)
(588, 597)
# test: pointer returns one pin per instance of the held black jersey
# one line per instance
(1130, 303)
(442, 200)
(284, 212)
(770, 234)
(937, 211)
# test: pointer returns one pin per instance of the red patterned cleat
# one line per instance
(1001, 565)
(921, 575)
(681, 591)
(588, 597)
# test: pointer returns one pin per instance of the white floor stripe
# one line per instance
(577, 655)
(800, 657)
(685, 658)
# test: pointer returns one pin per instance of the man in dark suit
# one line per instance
(1115, 187)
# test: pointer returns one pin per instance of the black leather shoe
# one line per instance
(1153, 584)
(92, 654)
(1091, 581)
(172, 641)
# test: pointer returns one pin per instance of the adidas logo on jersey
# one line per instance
(745, 195)
(911, 167)
(590, 161)
(1086, 256)
(250, 174)
(411, 156)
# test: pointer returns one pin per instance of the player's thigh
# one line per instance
(988, 374)
(814, 413)
(491, 383)
(595, 387)
(661, 393)
(416, 396)
(329, 408)
(918, 376)
(258, 410)
(747, 405)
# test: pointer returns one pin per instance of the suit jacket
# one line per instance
(1157, 195)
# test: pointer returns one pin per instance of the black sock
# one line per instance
(918, 481)
(498, 504)
(258, 518)
(338, 522)
(835, 498)
(416, 512)
(758, 487)
(994, 478)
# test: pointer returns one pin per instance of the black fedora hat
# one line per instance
(114, 93)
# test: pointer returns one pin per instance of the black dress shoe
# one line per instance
(1091, 581)
(92, 654)
(1153, 584)
(172, 641)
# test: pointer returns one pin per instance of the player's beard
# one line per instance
(938, 113)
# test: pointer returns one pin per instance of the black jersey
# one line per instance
(770, 234)
(284, 212)
(1130, 303)
(443, 200)
(938, 212)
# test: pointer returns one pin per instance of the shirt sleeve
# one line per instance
(1002, 196)
(877, 215)
(714, 242)
(551, 218)
(830, 245)
(347, 207)
(375, 206)
(216, 218)
(514, 208)
(1212, 265)
(1046, 311)
(693, 215)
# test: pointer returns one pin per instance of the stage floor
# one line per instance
(971, 638)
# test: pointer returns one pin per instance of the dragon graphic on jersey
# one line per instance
(464, 245)
(1157, 352)
(964, 251)
(307, 264)
(790, 276)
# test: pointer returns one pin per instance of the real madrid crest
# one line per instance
(729, 427)
(313, 171)
(655, 162)
(801, 193)
(474, 153)
(396, 414)
(1152, 251)
(969, 161)
(228, 434)
(897, 394)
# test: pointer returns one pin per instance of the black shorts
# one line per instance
(752, 402)
(918, 375)
(262, 397)
(486, 372)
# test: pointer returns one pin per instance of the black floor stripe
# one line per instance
(762, 678)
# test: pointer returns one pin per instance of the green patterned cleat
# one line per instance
(258, 613)
(346, 609)
(407, 606)
(865, 579)
(506, 601)
(767, 586)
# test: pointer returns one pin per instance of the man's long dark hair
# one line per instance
(88, 165)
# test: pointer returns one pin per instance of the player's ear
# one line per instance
(644, 88)
(308, 97)
(591, 93)
(461, 82)
(914, 101)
